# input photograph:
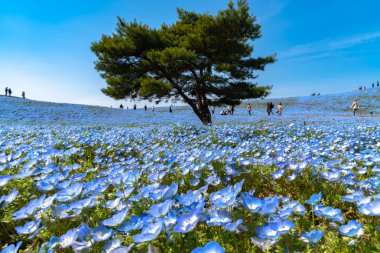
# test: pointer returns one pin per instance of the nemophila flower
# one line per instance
(83, 246)
(353, 228)
(171, 219)
(190, 197)
(68, 239)
(331, 176)
(101, 233)
(313, 236)
(69, 193)
(135, 222)
(282, 227)
(278, 174)
(211, 247)
(12, 248)
(328, 212)
(110, 204)
(218, 218)
(125, 193)
(291, 177)
(111, 245)
(263, 244)
(267, 232)
(149, 232)
(353, 197)
(315, 198)
(4, 180)
(161, 209)
(115, 219)
(7, 199)
(270, 205)
(188, 221)
(194, 181)
(253, 204)
(30, 209)
(28, 227)
(234, 226)
(371, 208)
(84, 232)
(226, 196)
(213, 180)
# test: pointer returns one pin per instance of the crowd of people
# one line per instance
(8, 92)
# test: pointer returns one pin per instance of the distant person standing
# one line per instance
(153, 109)
(377, 83)
(212, 109)
(249, 108)
(270, 107)
(145, 107)
(170, 109)
(355, 106)
(10, 92)
(23, 94)
(232, 110)
(6, 91)
(134, 107)
(373, 85)
(279, 109)
(121, 106)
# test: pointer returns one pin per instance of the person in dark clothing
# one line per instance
(377, 83)
(10, 92)
(373, 85)
(121, 106)
(270, 107)
(6, 91)
(170, 109)
(145, 107)
(23, 94)
(134, 107)
(232, 110)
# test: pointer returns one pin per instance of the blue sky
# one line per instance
(322, 46)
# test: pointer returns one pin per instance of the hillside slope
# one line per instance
(24, 111)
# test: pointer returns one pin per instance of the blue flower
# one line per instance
(116, 219)
(263, 244)
(161, 209)
(211, 247)
(218, 218)
(188, 221)
(134, 223)
(233, 226)
(282, 227)
(226, 196)
(354, 197)
(69, 238)
(7, 199)
(315, 198)
(371, 208)
(149, 232)
(11, 248)
(353, 228)
(4, 180)
(313, 236)
(270, 205)
(28, 227)
(69, 193)
(253, 204)
(267, 232)
(101, 233)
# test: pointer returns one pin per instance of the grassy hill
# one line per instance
(25, 111)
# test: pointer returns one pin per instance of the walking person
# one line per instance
(23, 94)
(6, 91)
(10, 92)
(249, 108)
(279, 109)
(145, 107)
(232, 110)
(355, 106)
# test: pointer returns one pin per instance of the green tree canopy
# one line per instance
(202, 59)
